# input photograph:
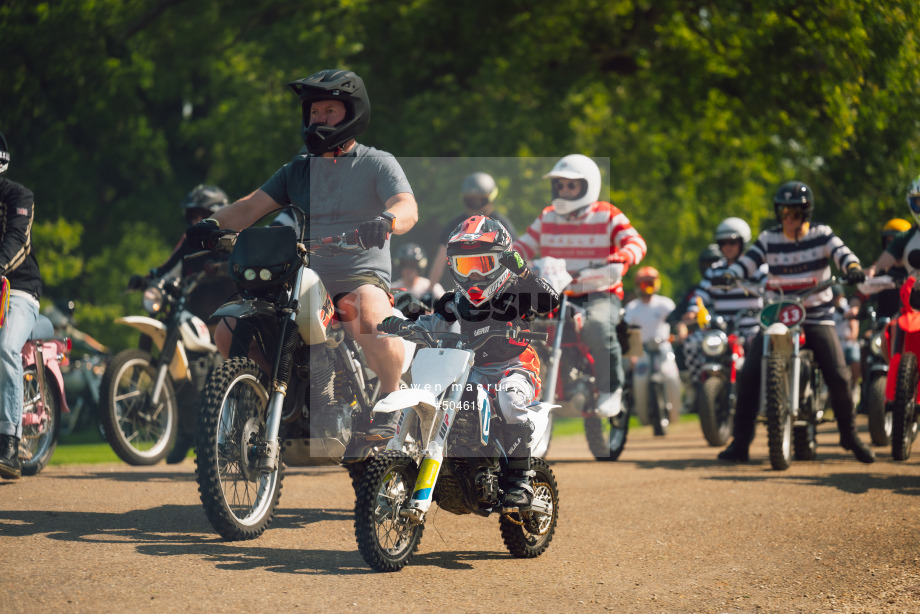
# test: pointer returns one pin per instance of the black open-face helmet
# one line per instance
(333, 84)
(4, 154)
(411, 253)
(473, 251)
(203, 201)
(793, 194)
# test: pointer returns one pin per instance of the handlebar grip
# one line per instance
(532, 336)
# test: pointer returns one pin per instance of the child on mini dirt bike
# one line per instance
(496, 289)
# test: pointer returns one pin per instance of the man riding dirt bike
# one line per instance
(598, 244)
(795, 245)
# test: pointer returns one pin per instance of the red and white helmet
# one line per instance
(473, 251)
(579, 168)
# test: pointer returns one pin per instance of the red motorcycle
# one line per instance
(902, 339)
(42, 395)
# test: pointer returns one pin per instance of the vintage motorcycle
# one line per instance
(567, 370)
(793, 394)
(717, 381)
(656, 386)
(312, 408)
(463, 462)
(43, 399)
(139, 402)
(902, 346)
(875, 365)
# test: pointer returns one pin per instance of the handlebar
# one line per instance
(347, 241)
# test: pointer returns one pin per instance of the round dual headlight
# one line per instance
(714, 343)
(153, 300)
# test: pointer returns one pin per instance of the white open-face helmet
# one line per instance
(732, 228)
(580, 168)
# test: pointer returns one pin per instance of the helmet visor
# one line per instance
(914, 202)
(793, 212)
(466, 265)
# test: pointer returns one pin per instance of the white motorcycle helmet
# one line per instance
(913, 199)
(733, 228)
(579, 167)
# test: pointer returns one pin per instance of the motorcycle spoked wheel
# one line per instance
(714, 411)
(139, 433)
(904, 408)
(779, 419)
(386, 540)
(528, 534)
(880, 418)
(239, 500)
(606, 437)
(38, 440)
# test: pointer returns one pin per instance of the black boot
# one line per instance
(383, 426)
(735, 452)
(849, 440)
(10, 465)
(519, 494)
(184, 443)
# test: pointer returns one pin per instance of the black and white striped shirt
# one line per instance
(809, 256)
(728, 303)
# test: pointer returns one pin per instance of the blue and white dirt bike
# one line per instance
(463, 464)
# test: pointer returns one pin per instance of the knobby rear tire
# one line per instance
(531, 539)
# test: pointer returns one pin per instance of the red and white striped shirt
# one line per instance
(602, 234)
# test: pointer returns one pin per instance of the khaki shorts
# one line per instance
(340, 284)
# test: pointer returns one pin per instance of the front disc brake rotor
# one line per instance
(249, 439)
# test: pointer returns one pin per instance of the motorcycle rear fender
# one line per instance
(50, 351)
(539, 417)
(156, 330)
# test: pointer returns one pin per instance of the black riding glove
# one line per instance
(855, 274)
(392, 325)
(374, 233)
(204, 234)
(512, 261)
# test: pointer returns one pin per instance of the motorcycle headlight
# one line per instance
(153, 300)
(714, 344)
(875, 344)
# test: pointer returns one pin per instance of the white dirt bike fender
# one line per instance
(156, 330)
(540, 418)
(424, 402)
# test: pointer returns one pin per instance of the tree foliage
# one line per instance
(115, 109)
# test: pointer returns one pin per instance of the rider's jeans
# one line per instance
(600, 335)
(13, 335)
(823, 341)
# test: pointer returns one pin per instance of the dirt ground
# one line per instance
(667, 528)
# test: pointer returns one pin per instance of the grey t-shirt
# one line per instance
(338, 195)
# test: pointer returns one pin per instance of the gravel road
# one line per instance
(667, 528)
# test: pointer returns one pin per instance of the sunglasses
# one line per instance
(793, 213)
(724, 242)
(484, 264)
(565, 184)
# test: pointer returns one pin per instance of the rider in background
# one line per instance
(496, 290)
(20, 289)
(794, 248)
(478, 193)
(410, 263)
(650, 311)
(888, 302)
(732, 236)
(598, 244)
